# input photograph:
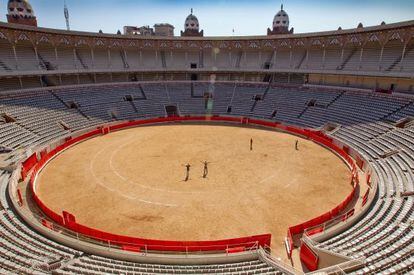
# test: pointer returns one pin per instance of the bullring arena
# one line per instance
(132, 182)
(146, 153)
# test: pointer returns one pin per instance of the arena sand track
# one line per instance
(132, 182)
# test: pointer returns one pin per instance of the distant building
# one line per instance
(280, 23)
(164, 30)
(192, 26)
(21, 12)
(142, 31)
(158, 30)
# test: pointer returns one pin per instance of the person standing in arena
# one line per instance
(205, 172)
(188, 166)
(251, 144)
(297, 145)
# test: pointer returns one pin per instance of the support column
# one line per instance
(260, 59)
(402, 55)
(307, 58)
(56, 58)
(126, 59)
(323, 57)
(74, 59)
(37, 58)
(380, 59)
(360, 58)
(93, 59)
(109, 59)
(15, 57)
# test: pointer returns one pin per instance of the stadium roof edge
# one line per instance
(399, 25)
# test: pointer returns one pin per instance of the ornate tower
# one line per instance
(191, 26)
(280, 23)
(21, 12)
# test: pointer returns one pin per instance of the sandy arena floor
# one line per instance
(132, 182)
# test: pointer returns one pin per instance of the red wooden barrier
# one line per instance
(131, 248)
(365, 198)
(68, 218)
(308, 257)
(47, 224)
(360, 162)
(261, 240)
(315, 230)
(236, 249)
(70, 222)
(346, 149)
(105, 130)
(320, 138)
(28, 164)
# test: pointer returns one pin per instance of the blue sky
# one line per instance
(219, 17)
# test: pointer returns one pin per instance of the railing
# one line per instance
(280, 265)
(146, 249)
(342, 268)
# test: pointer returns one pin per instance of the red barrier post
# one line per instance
(309, 257)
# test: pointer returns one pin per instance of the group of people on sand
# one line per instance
(206, 163)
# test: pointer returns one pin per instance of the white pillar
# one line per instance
(15, 57)
(402, 55)
(56, 57)
(260, 59)
(323, 57)
(109, 59)
(74, 60)
(37, 58)
(307, 58)
(126, 58)
(360, 58)
(93, 59)
(380, 59)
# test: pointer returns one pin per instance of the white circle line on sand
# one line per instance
(112, 168)
(117, 191)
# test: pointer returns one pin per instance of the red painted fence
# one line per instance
(28, 165)
(136, 244)
(308, 257)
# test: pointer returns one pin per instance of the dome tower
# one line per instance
(21, 12)
(192, 26)
(280, 23)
